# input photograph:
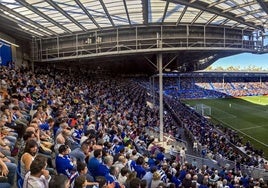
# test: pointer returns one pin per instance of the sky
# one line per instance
(243, 60)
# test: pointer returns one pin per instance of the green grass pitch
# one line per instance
(247, 115)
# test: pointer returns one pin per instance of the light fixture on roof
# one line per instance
(11, 43)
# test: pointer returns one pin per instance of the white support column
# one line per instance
(153, 92)
(160, 67)
(151, 86)
(58, 46)
(76, 45)
(41, 50)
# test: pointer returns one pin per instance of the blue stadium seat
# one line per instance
(20, 179)
(20, 183)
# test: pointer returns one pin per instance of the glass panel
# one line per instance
(218, 20)
(95, 9)
(33, 1)
(135, 11)
(23, 10)
(56, 29)
(12, 4)
(189, 15)
(72, 27)
(204, 18)
(117, 12)
(157, 10)
(249, 10)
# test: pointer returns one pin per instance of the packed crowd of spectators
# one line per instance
(67, 130)
(196, 87)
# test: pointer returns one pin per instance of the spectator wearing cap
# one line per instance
(64, 164)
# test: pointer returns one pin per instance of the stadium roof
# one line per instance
(43, 18)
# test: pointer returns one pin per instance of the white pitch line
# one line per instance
(250, 128)
(223, 118)
(245, 134)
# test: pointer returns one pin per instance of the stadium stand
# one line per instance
(220, 85)
(112, 116)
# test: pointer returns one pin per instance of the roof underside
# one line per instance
(45, 18)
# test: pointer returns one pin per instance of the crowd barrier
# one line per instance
(168, 139)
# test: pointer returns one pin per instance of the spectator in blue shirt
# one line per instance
(139, 167)
(78, 133)
(64, 164)
(104, 168)
(94, 163)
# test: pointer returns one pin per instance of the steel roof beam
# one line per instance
(35, 10)
(182, 14)
(58, 8)
(263, 5)
(216, 3)
(214, 10)
(107, 13)
(248, 13)
(22, 33)
(18, 28)
(145, 7)
(87, 13)
(4, 8)
(261, 17)
(165, 12)
(239, 6)
(211, 19)
(197, 16)
(236, 24)
(225, 21)
(126, 9)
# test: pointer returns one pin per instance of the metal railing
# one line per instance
(142, 39)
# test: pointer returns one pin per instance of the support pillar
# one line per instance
(161, 122)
